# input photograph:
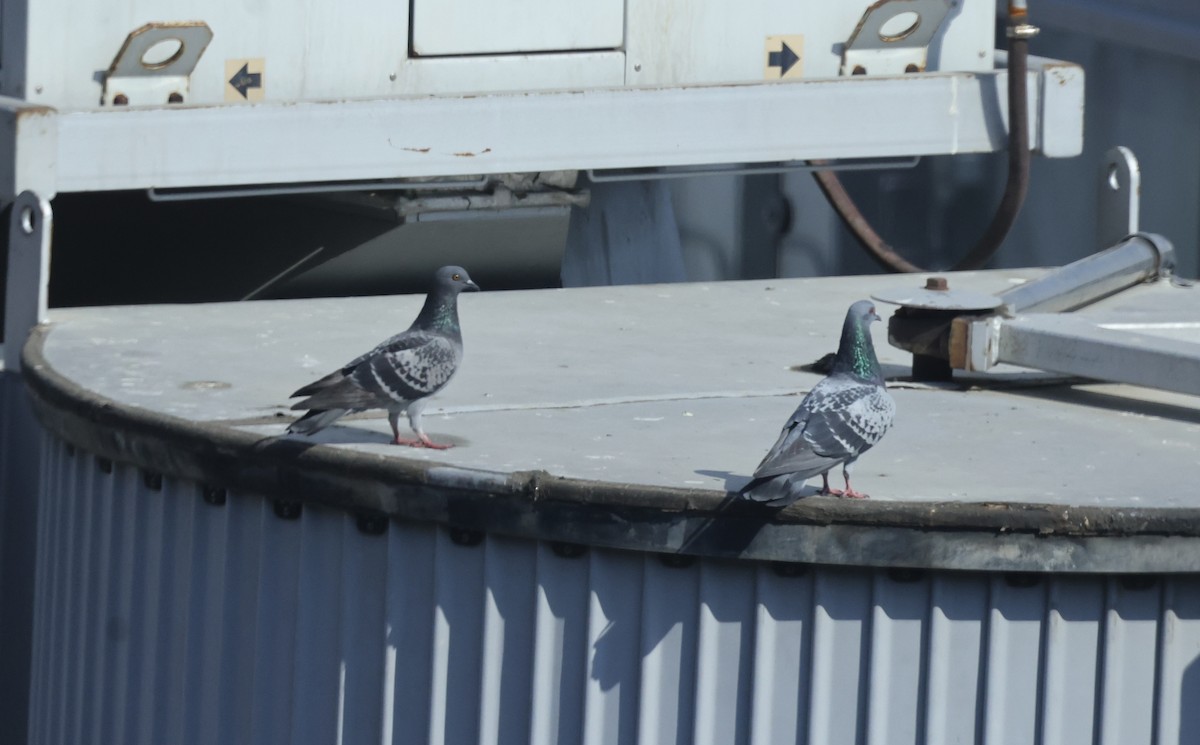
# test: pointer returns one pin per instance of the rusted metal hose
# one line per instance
(1019, 34)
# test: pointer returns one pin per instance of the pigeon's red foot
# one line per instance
(423, 442)
(851, 494)
(827, 491)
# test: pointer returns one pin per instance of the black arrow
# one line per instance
(243, 80)
(784, 59)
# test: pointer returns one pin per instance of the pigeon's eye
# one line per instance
(456, 277)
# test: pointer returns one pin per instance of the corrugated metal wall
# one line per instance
(19, 469)
(163, 617)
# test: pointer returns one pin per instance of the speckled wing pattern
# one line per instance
(409, 366)
(840, 419)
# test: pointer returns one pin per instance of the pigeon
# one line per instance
(844, 414)
(401, 373)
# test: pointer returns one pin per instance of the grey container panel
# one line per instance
(160, 617)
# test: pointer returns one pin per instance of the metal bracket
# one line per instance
(893, 37)
(1119, 197)
(948, 331)
(155, 64)
(28, 273)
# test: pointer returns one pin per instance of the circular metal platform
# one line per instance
(623, 417)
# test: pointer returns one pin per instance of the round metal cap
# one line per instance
(937, 295)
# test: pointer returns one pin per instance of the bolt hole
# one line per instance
(910, 67)
(1138, 581)
(287, 510)
(905, 575)
(859, 70)
(466, 536)
(1114, 177)
(120, 100)
(213, 495)
(1022, 579)
(567, 550)
(372, 523)
(676, 561)
(28, 220)
(162, 53)
(786, 569)
(175, 98)
(900, 26)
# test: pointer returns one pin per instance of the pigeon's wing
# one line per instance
(836, 421)
(404, 368)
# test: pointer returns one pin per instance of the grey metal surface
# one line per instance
(666, 385)
(163, 618)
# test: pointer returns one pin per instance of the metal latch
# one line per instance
(893, 37)
(155, 64)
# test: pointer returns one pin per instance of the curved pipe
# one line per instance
(1015, 188)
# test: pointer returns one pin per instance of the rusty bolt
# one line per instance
(859, 70)
(911, 68)
(120, 100)
(938, 284)
(175, 98)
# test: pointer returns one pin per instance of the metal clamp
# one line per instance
(155, 64)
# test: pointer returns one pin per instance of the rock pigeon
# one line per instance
(399, 374)
(840, 419)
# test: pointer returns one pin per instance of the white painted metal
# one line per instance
(1067, 344)
(162, 618)
(28, 149)
(28, 279)
(390, 138)
(673, 41)
(444, 27)
(1119, 197)
(325, 52)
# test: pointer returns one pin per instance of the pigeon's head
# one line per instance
(864, 312)
(453, 279)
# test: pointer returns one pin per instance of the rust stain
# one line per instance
(484, 151)
(416, 149)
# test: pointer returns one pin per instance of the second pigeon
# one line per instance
(841, 418)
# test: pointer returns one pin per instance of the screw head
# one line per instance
(937, 283)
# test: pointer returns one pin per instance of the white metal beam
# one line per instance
(1064, 343)
(28, 149)
(862, 117)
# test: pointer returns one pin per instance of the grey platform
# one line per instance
(647, 404)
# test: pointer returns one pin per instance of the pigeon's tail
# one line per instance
(316, 420)
(774, 491)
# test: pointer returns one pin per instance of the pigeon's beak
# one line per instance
(470, 286)
(875, 316)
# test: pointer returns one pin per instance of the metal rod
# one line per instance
(1132, 261)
